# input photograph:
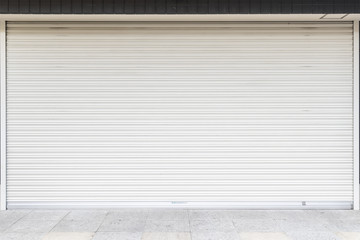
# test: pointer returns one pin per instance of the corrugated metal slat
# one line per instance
(213, 112)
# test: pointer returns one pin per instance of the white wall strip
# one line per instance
(3, 112)
(356, 115)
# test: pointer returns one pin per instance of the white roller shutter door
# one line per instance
(179, 113)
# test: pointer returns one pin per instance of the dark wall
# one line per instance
(178, 6)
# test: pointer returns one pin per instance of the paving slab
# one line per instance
(8, 218)
(350, 225)
(302, 225)
(128, 214)
(263, 236)
(168, 214)
(219, 225)
(166, 236)
(69, 236)
(31, 226)
(213, 235)
(256, 225)
(248, 214)
(167, 226)
(22, 236)
(79, 215)
(51, 215)
(78, 225)
(123, 225)
(200, 224)
(117, 236)
(207, 214)
(312, 235)
(349, 235)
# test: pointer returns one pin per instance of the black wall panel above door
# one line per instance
(178, 6)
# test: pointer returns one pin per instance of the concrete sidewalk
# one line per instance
(165, 224)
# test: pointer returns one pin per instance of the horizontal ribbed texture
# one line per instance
(178, 6)
(179, 112)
